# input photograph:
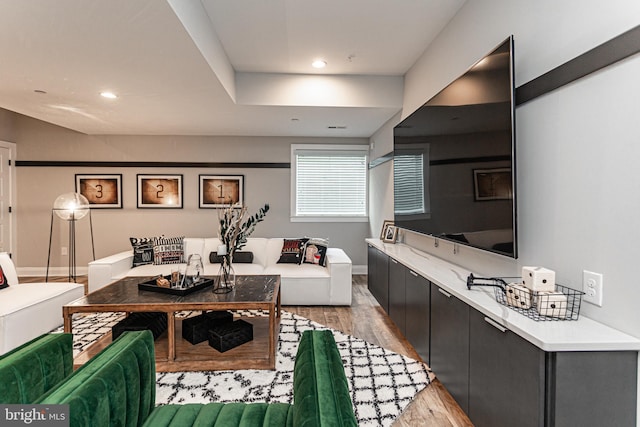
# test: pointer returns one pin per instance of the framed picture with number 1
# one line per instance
(220, 191)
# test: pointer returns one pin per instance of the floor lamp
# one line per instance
(70, 207)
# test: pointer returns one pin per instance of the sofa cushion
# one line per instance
(222, 415)
(320, 388)
(240, 257)
(256, 245)
(3, 279)
(291, 252)
(315, 251)
(168, 250)
(142, 250)
(34, 368)
(115, 388)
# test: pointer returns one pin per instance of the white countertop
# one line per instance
(583, 334)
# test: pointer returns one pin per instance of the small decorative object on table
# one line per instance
(556, 303)
(193, 271)
(233, 234)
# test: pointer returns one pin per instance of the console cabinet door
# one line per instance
(418, 313)
(378, 277)
(397, 298)
(450, 344)
(506, 376)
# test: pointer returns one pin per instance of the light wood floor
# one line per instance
(365, 319)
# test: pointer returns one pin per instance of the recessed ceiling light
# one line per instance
(109, 95)
(319, 63)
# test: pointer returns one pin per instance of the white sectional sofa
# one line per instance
(28, 310)
(304, 284)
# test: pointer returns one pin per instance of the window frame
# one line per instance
(327, 149)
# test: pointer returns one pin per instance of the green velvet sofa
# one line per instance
(117, 388)
(34, 368)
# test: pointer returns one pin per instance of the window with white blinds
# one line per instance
(408, 187)
(329, 182)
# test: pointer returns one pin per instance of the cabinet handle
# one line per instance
(495, 325)
(413, 272)
(445, 293)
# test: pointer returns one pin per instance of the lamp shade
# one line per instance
(71, 206)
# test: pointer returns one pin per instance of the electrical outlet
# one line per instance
(592, 287)
(63, 251)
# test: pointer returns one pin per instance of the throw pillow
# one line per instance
(239, 257)
(142, 250)
(292, 250)
(315, 252)
(3, 280)
(168, 250)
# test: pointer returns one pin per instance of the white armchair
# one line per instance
(28, 310)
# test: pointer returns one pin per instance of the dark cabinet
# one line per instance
(506, 376)
(397, 294)
(450, 344)
(378, 277)
(418, 313)
(497, 377)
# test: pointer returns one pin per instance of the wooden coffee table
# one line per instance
(173, 353)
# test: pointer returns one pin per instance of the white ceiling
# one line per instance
(213, 67)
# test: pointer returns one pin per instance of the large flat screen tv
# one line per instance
(454, 160)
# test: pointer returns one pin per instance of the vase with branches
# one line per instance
(233, 231)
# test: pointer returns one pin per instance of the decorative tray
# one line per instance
(151, 286)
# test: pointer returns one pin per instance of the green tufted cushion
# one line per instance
(115, 388)
(222, 415)
(320, 388)
(29, 371)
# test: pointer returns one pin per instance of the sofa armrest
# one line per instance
(105, 270)
(117, 387)
(29, 371)
(339, 265)
(320, 388)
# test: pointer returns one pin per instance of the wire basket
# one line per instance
(562, 304)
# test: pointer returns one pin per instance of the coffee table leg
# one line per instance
(272, 336)
(67, 315)
(171, 335)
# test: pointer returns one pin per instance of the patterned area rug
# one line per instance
(382, 383)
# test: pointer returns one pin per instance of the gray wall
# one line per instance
(38, 187)
(577, 148)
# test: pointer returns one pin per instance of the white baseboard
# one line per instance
(53, 271)
(358, 269)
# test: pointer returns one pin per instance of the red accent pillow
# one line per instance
(3, 280)
(292, 251)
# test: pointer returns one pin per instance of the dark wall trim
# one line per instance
(459, 160)
(608, 53)
(46, 163)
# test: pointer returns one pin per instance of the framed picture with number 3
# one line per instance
(102, 191)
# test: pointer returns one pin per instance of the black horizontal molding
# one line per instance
(482, 159)
(608, 53)
(243, 165)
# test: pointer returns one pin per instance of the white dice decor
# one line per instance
(518, 296)
(552, 304)
(539, 279)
